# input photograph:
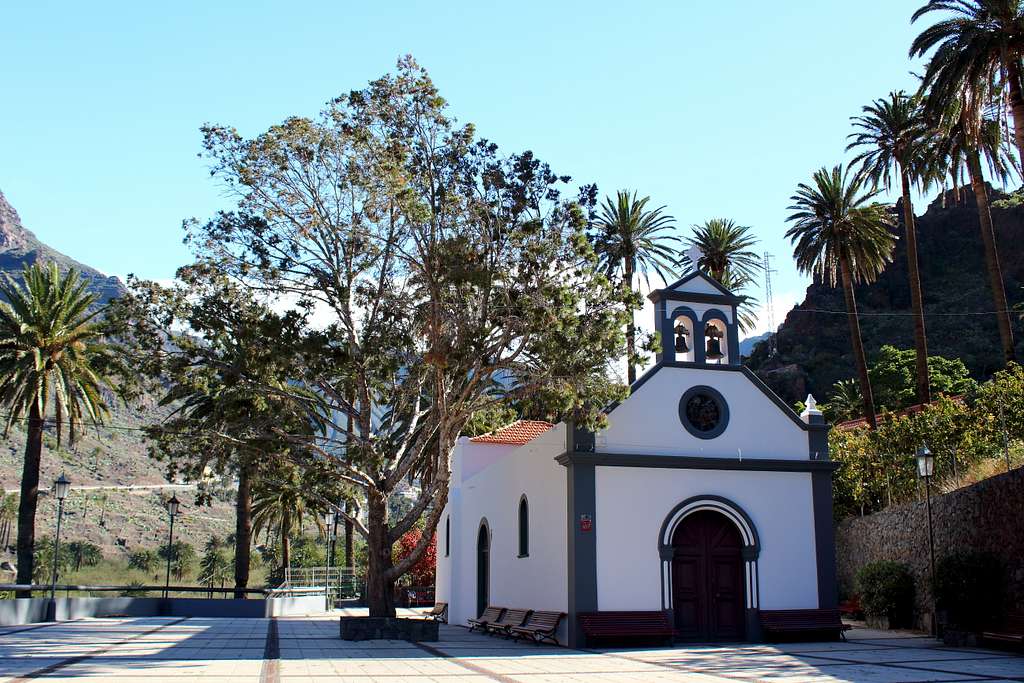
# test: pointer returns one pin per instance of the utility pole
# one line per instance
(769, 303)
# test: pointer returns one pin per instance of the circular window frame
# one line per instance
(720, 402)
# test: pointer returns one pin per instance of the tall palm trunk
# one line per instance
(988, 240)
(350, 560)
(627, 284)
(858, 344)
(1013, 74)
(286, 547)
(916, 300)
(29, 498)
(243, 529)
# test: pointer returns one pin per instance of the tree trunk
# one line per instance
(924, 394)
(243, 529)
(988, 240)
(627, 282)
(1016, 103)
(350, 560)
(29, 498)
(858, 344)
(286, 547)
(380, 585)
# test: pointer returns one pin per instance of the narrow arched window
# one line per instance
(447, 536)
(524, 527)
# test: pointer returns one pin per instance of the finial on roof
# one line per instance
(810, 409)
(695, 254)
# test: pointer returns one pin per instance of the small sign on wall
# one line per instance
(586, 523)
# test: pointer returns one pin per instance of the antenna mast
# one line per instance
(770, 303)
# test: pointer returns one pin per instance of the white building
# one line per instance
(706, 496)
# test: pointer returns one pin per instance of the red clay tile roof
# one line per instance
(515, 434)
(862, 422)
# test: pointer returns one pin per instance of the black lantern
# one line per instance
(61, 487)
(681, 334)
(714, 345)
(925, 462)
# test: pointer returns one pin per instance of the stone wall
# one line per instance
(987, 516)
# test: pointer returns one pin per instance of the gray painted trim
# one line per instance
(824, 539)
(817, 437)
(723, 411)
(581, 499)
(690, 462)
(754, 548)
(696, 336)
(669, 290)
(754, 634)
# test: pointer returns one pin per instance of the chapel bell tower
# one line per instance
(697, 319)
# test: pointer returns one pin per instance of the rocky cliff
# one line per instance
(814, 342)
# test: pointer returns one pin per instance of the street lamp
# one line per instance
(329, 522)
(172, 509)
(925, 470)
(60, 489)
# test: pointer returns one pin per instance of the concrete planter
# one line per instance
(388, 628)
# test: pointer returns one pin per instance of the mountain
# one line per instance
(814, 341)
(20, 247)
(747, 345)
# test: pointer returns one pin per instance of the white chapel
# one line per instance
(706, 496)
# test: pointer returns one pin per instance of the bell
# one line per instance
(714, 350)
(681, 334)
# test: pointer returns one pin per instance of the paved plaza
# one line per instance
(294, 650)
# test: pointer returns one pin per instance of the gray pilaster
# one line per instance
(581, 503)
(824, 539)
(733, 332)
(664, 326)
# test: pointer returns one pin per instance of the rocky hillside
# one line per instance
(814, 343)
(118, 490)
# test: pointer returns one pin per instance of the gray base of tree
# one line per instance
(389, 628)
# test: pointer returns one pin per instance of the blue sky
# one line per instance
(713, 109)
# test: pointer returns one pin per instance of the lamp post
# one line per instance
(925, 470)
(172, 509)
(60, 488)
(329, 523)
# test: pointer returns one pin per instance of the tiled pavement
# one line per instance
(294, 650)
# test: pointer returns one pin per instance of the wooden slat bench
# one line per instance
(504, 625)
(489, 615)
(803, 622)
(438, 613)
(622, 625)
(1011, 630)
(539, 627)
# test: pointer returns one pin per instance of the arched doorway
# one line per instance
(708, 578)
(483, 568)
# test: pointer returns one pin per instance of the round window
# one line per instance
(703, 412)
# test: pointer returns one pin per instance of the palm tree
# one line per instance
(631, 240)
(976, 58)
(282, 500)
(976, 41)
(728, 257)
(893, 134)
(846, 402)
(840, 234)
(51, 357)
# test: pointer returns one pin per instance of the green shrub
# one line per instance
(970, 587)
(886, 590)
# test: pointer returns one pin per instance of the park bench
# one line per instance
(803, 622)
(438, 613)
(539, 627)
(511, 617)
(851, 608)
(489, 615)
(1010, 630)
(623, 625)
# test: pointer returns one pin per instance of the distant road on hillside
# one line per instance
(127, 487)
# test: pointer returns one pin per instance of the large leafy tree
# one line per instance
(892, 137)
(975, 54)
(840, 234)
(222, 359)
(727, 254)
(632, 241)
(54, 364)
(444, 277)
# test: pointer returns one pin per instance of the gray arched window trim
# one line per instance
(523, 515)
(723, 411)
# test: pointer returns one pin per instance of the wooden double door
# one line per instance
(708, 579)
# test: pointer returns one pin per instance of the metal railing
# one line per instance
(140, 590)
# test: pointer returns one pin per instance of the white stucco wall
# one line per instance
(648, 422)
(632, 504)
(534, 582)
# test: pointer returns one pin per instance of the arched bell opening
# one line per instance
(716, 342)
(683, 340)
